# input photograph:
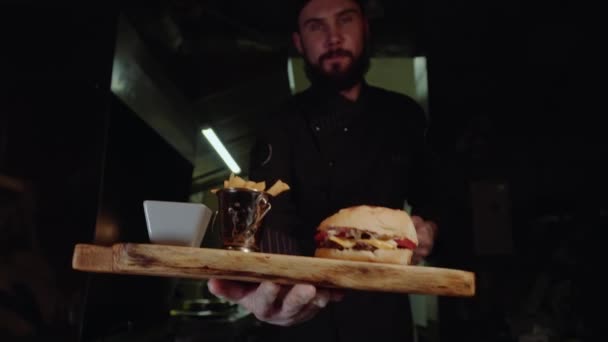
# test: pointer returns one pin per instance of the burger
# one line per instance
(367, 233)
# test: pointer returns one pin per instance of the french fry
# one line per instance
(260, 186)
(277, 188)
(234, 181)
(237, 182)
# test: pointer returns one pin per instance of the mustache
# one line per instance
(336, 53)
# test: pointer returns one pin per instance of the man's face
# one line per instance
(332, 40)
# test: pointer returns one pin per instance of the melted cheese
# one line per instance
(380, 244)
(343, 242)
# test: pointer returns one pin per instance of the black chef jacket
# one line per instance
(335, 153)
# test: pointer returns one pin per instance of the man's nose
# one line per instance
(334, 36)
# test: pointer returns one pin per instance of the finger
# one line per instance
(321, 298)
(295, 314)
(428, 227)
(422, 252)
(425, 235)
(229, 289)
(424, 240)
(433, 226)
(263, 301)
(297, 298)
(308, 312)
(417, 221)
(424, 228)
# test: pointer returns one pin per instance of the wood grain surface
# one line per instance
(204, 263)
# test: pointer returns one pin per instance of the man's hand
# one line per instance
(426, 231)
(275, 304)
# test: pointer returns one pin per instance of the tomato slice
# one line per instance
(320, 236)
(406, 243)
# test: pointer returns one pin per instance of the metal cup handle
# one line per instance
(263, 202)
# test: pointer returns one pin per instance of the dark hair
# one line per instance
(298, 5)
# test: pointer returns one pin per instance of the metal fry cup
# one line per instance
(240, 214)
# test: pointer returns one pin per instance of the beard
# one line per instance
(338, 80)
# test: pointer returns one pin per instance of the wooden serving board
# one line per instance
(204, 263)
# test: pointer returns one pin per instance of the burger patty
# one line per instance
(356, 239)
(352, 233)
(358, 246)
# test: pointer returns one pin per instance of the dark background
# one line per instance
(515, 126)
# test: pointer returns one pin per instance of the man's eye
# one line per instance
(314, 26)
(346, 19)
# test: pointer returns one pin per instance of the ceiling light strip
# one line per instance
(221, 150)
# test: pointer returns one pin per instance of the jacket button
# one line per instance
(331, 163)
(345, 129)
(317, 128)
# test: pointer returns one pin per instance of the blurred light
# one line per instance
(421, 82)
(221, 150)
(107, 231)
(420, 77)
(290, 75)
